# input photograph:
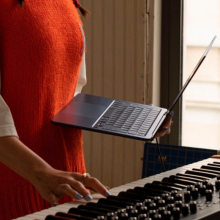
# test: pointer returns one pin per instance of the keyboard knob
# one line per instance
(178, 204)
(152, 213)
(100, 218)
(170, 200)
(110, 215)
(176, 213)
(217, 185)
(166, 215)
(157, 216)
(195, 193)
(133, 213)
(193, 207)
(202, 190)
(147, 202)
(138, 205)
(143, 210)
(189, 188)
(185, 209)
(114, 218)
(165, 196)
(187, 196)
(173, 193)
(170, 207)
(205, 182)
(208, 195)
(133, 218)
(161, 203)
(152, 206)
(124, 216)
(156, 199)
(197, 185)
(128, 209)
(142, 216)
(161, 210)
(210, 186)
(178, 197)
(119, 211)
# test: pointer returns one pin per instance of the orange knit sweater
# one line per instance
(41, 48)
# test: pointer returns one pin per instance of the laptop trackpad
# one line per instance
(84, 109)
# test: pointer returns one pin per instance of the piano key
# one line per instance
(159, 177)
(216, 173)
(200, 173)
(114, 203)
(113, 208)
(85, 213)
(70, 216)
(193, 176)
(186, 178)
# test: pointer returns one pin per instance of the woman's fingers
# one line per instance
(75, 189)
(53, 200)
(163, 131)
(92, 183)
(216, 156)
(166, 126)
(96, 185)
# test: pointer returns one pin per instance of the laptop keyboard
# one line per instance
(128, 118)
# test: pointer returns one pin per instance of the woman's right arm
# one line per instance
(52, 184)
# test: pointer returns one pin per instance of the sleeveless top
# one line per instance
(41, 47)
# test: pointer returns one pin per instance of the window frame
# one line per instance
(172, 64)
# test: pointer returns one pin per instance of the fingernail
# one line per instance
(165, 130)
(55, 204)
(107, 187)
(107, 193)
(78, 196)
(171, 114)
(88, 197)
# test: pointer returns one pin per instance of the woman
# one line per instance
(41, 58)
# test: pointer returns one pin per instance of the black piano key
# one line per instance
(71, 216)
(85, 213)
(117, 198)
(95, 209)
(187, 178)
(201, 173)
(97, 205)
(134, 195)
(162, 186)
(152, 187)
(114, 203)
(209, 167)
(216, 173)
(174, 180)
(172, 186)
(193, 176)
(213, 164)
(150, 192)
(53, 217)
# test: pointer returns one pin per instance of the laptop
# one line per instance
(116, 117)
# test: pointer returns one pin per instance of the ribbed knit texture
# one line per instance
(40, 55)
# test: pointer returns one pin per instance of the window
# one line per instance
(201, 101)
(187, 29)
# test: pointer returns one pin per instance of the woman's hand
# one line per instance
(165, 128)
(53, 184)
(216, 156)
